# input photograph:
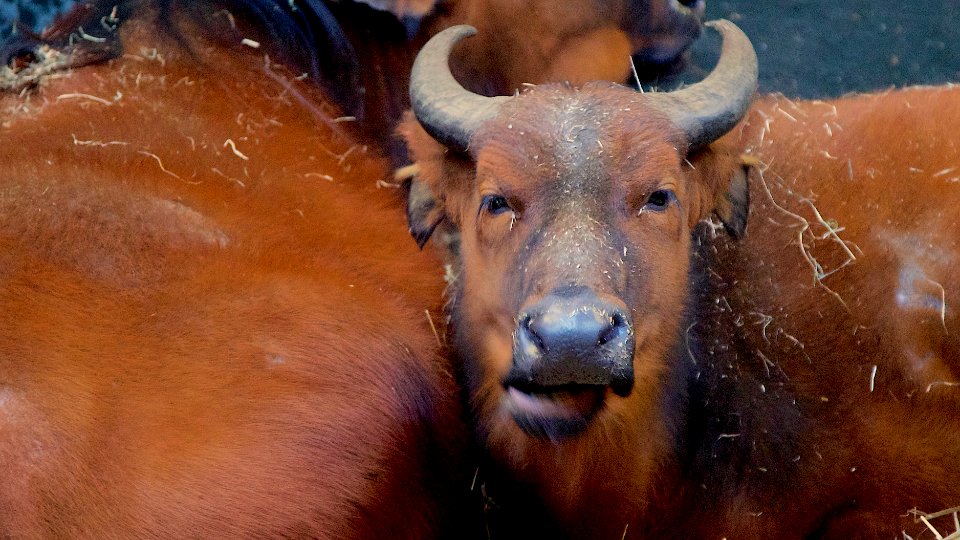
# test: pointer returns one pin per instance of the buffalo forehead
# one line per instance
(558, 140)
(566, 142)
(580, 143)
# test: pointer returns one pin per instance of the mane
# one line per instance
(302, 34)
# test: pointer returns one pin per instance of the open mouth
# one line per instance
(554, 412)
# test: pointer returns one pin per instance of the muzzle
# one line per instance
(572, 337)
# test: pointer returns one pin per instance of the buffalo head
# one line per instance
(575, 208)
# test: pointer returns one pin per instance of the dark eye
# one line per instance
(660, 199)
(495, 204)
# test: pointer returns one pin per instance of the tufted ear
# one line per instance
(439, 181)
(721, 181)
(732, 205)
(424, 213)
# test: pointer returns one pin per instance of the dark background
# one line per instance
(34, 13)
(807, 48)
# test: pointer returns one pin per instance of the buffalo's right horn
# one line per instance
(710, 108)
(449, 112)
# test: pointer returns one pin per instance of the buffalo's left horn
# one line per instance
(449, 112)
(710, 108)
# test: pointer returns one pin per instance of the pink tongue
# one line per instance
(560, 405)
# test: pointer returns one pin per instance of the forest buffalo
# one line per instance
(693, 315)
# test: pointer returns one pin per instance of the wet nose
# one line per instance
(577, 339)
(578, 329)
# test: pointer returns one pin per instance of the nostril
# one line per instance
(616, 329)
(525, 325)
(524, 321)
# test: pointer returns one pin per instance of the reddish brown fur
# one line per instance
(570, 41)
(154, 236)
(366, 69)
(756, 412)
(213, 323)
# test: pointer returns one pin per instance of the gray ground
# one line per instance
(812, 48)
(807, 48)
(33, 13)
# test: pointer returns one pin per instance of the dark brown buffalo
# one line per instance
(522, 41)
(634, 371)
(533, 41)
(212, 323)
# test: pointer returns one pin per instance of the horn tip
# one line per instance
(717, 23)
(460, 30)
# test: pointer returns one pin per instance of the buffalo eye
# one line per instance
(659, 200)
(495, 204)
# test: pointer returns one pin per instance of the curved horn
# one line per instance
(448, 112)
(708, 109)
